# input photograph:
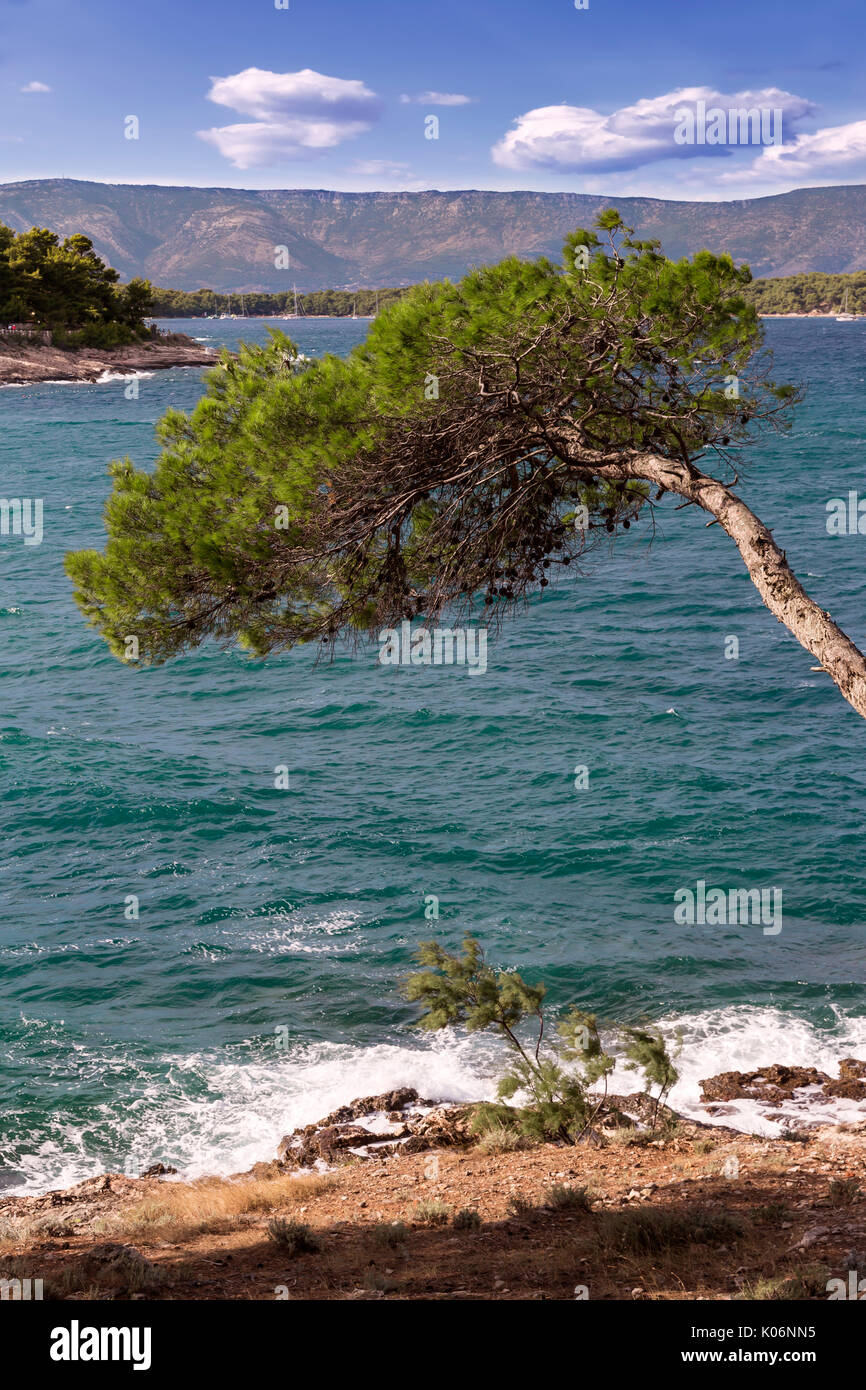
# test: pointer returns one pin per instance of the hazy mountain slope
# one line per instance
(225, 237)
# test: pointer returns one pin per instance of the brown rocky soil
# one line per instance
(700, 1213)
(22, 362)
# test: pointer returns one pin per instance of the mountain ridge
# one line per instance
(227, 238)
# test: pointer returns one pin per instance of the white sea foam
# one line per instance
(210, 1113)
(53, 381)
(745, 1037)
(121, 376)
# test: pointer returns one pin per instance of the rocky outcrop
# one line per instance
(772, 1084)
(852, 1080)
(376, 1126)
(389, 1103)
(403, 1122)
(776, 1084)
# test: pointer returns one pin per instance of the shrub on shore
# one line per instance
(556, 1071)
(648, 1230)
(564, 1197)
(497, 1138)
(390, 1234)
(468, 1219)
(293, 1237)
(103, 336)
(430, 1212)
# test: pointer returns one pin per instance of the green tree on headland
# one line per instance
(485, 437)
(66, 287)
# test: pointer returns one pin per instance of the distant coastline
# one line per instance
(160, 314)
(261, 318)
(812, 314)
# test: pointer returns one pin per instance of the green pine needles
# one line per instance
(553, 1073)
(66, 287)
(463, 456)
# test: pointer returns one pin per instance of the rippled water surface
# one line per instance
(131, 1041)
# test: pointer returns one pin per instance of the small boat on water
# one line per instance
(845, 317)
(297, 312)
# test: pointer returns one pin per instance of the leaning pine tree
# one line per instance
(485, 438)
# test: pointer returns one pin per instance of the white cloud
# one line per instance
(380, 174)
(297, 114)
(834, 154)
(270, 95)
(251, 143)
(572, 139)
(438, 99)
(389, 168)
(36, 87)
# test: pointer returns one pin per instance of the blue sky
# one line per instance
(338, 93)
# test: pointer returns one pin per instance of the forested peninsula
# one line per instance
(64, 316)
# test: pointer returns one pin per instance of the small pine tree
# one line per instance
(647, 1051)
(554, 1071)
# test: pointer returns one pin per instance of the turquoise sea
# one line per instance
(258, 986)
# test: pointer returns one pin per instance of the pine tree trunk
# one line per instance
(768, 568)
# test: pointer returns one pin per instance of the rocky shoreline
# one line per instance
(394, 1196)
(25, 361)
(400, 1121)
(794, 1098)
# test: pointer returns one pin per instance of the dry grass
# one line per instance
(467, 1219)
(34, 1231)
(843, 1191)
(388, 1235)
(771, 1213)
(430, 1213)
(103, 1272)
(647, 1230)
(565, 1197)
(212, 1204)
(293, 1237)
(626, 1138)
(498, 1139)
(800, 1283)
